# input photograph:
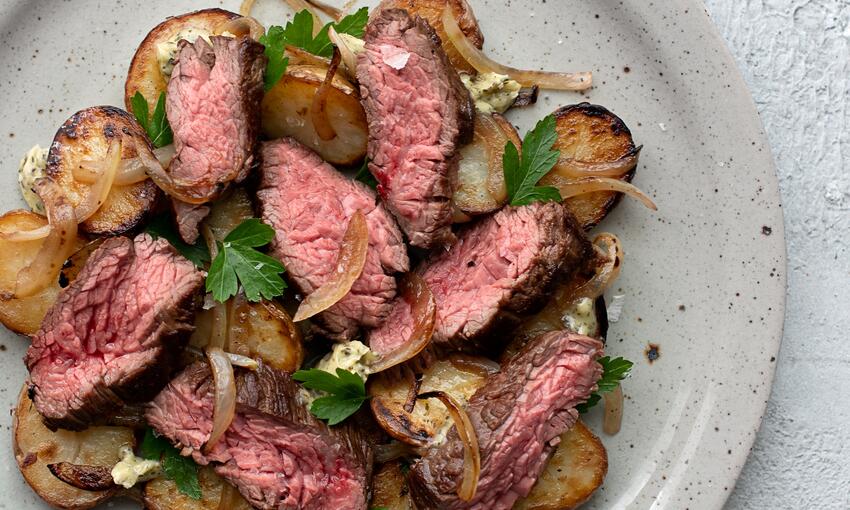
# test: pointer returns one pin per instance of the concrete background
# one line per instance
(795, 55)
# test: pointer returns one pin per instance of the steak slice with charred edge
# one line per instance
(500, 267)
(213, 107)
(114, 333)
(274, 452)
(309, 204)
(418, 112)
(518, 417)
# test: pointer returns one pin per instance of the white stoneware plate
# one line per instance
(704, 277)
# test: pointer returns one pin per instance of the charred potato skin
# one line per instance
(92, 129)
(144, 74)
(162, 494)
(593, 133)
(389, 488)
(430, 11)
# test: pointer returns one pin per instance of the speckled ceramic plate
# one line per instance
(704, 277)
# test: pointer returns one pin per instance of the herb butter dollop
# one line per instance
(491, 92)
(131, 470)
(166, 51)
(32, 168)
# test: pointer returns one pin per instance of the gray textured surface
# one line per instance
(795, 54)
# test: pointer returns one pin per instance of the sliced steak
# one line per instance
(188, 218)
(309, 204)
(213, 106)
(500, 267)
(418, 112)
(518, 416)
(114, 333)
(279, 461)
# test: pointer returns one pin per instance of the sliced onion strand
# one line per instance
(471, 454)
(349, 265)
(246, 7)
(593, 184)
(608, 248)
(318, 109)
(423, 308)
(484, 64)
(243, 25)
(224, 403)
(613, 418)
(569, 167)
(99, 190)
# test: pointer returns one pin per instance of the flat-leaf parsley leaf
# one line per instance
(523, 172)
(181, 470)
(613, 371)
(346, 393)
(157, 127)
(238, 262)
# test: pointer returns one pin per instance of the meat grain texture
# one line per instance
(114, 333)
(418, 112)
(274, 452)
(518, 416)
(500, 267)
(309, 204)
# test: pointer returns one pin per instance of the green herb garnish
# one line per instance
(181, 470)
(239, 262)
(157, 127)
(299, 33)
(346, 393)
(538, 158)
(365, 176)
(613, 371)
(163, 226)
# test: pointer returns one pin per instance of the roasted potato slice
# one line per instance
(259, 330)
(479, 185)
(228, 212)
(162, 494)
(286, 112)
(36, 446)
(572, 475)
(458, 375)
(431, 11)
(591, 133)
(87, 136)
(145, 75)
(389, 488)
(23, 315)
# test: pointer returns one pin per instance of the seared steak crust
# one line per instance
(500, 268)
(419, 112)
(275, 452)
(213, 106)
(518, 416)
(114, 333)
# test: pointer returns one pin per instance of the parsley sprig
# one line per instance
(346, 392)
(523, 172)
(156, 126)
(299, 33)
(238, 261)
(613, 371)
(181, 470)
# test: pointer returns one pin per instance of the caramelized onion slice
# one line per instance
(131, 171)
(26, 235)
(172, 187)
(423, 308)
(349, 265)
(569, 167)
(591, 184)
(613, 418)
(243, 25)
(318, 110)
(609, 250)
(99, 190)
(527, 78)
(471, 454)
(57, 246)
(329, 10)
(246, 7)
(224, 408)
(346, 51)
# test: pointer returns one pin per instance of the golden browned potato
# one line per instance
(145, 75)
(162, 494)
(459, 376)
(389, 488)
(572, 475)
(431, 11)
(592, 134)
(36, 446)
(23, 315)
(286, 111)
(87, 136)
(258, 330)
(479, 185)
